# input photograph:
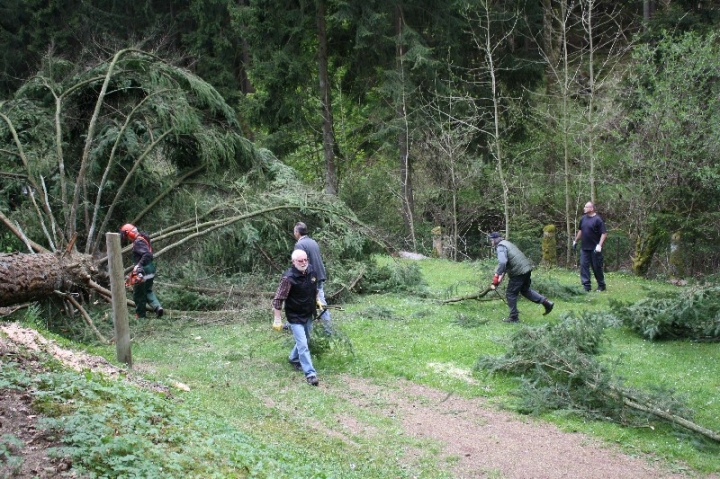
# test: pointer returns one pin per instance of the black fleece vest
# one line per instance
(300, 303)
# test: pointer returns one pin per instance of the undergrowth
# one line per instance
(113, 429)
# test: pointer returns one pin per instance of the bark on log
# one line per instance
(31, 277)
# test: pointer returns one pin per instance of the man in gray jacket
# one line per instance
(311, 248)
(517, 266)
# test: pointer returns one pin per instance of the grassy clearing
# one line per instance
(238, 373)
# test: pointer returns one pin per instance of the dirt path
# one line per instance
(478, 440)
(490, 443)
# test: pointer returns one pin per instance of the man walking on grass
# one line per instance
(312, 249)
(517, 266)
(298, 290)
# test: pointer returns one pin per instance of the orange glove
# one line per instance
(496, 280)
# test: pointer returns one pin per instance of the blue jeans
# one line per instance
(588, 258)
(325, 317)
(301, 351)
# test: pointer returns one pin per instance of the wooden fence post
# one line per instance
(119, 301)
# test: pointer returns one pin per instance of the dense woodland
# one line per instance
(216, 124)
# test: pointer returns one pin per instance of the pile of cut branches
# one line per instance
(559, 371)
(693, 314)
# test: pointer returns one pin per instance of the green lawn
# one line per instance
(238, 373)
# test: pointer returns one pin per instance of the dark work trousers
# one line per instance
(143, 295)
(588, 258)
(520, 285)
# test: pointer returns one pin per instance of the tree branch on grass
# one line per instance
(477, 295)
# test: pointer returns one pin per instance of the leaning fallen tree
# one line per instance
(84, 146)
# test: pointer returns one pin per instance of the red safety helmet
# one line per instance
(128, 231)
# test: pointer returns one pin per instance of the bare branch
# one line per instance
(42, 220)
(17, 232)
(84, 314)
(23, 157)
(477, 295)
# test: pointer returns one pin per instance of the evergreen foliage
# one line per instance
(334, 346)
(559, 369)
(691, 314)
(394, 278)
(554, 289)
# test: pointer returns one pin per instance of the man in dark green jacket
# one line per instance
(517, 266)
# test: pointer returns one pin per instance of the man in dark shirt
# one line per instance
(298, 290)
(593, 234)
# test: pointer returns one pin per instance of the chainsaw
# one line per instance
(133, 278)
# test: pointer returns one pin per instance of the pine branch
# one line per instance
(350, 287)
(165, 193)
(94, 241)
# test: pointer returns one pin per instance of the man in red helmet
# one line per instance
(145, 266)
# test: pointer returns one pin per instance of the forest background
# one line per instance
(216, 124)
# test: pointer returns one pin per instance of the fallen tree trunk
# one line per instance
(31, 277)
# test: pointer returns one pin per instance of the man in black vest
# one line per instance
(517, 266)
(298, 290)
(310, 246)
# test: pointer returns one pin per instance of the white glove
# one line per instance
(277, 324)
(598, 249)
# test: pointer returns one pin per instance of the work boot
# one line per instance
(548, 306)
(296, 365)
(160, 312)
(312, 380)
(511, 319)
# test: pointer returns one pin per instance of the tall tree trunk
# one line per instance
(331, 182)
(591, 103)
(406, 189)
(549, 46)
(496, 146)
(569, 215)
(245, 83)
